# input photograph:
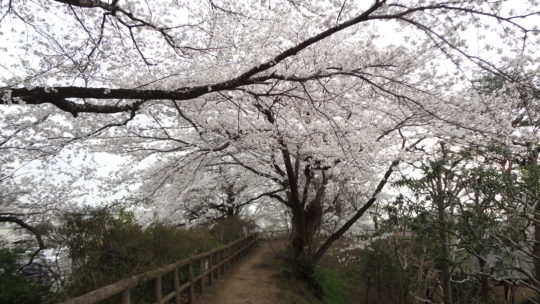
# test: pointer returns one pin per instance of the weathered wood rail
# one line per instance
(210, 266)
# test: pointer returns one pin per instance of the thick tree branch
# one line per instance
(31, 229)
(336, 235)
(291, 178)
(57, 95)
(90, 4)
(269, 194)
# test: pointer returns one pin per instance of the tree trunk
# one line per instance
(535, 189)
(298, 235)
(444, 265)
(305, 223)
(378, 290)
(484, 281)
(404, 295)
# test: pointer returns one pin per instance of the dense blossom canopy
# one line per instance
(330, 93)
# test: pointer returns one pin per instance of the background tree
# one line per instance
(441, 187)
(489, 229)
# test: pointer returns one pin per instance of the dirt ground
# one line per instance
(252, 281)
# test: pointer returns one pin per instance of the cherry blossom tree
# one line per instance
(220, 192)
(305, 99)
(34, 188)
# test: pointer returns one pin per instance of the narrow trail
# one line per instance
(252, 282)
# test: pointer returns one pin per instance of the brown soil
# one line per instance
(253, 281)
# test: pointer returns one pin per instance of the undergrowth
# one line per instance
(334, 280)
(107, 244)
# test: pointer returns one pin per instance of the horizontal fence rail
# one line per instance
(197, 271)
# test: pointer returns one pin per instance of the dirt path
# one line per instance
(252, 282)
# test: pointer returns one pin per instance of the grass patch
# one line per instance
(337, 280)
(336, 289)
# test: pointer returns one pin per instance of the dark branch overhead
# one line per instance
(57, 95)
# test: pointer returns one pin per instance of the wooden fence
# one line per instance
(209, 265)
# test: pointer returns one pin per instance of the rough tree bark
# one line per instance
(444, 258)
(11, 218)
(532, 163)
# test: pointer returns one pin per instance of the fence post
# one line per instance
(222, 261)
(211, 272)
(227, 257)
(215, 268)
(126, 296)
(191, 284)
(176, 282)
(157, 289)
(202, 275)
(233, 255)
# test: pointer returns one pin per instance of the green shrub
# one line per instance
(334, 285)
(333, 282)
(107, 245)
(14, 288)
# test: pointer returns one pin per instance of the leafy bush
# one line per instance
(14, 288)
(333, 282)
(329, 282)
(106, 245)
(382, 278)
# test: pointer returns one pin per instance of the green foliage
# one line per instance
(335, 280)
(107, 245)
(14, 288)
(530, 178)
(333, 284)
(380, 276)
(332, 280)
(481, 199)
